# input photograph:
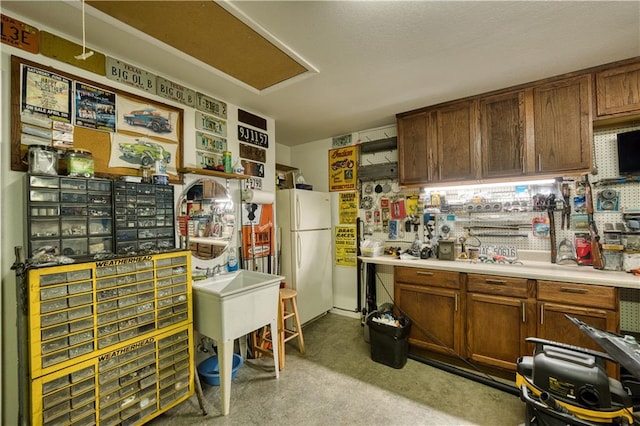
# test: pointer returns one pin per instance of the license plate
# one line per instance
(211, 143)
(18, 34)
(211, 124)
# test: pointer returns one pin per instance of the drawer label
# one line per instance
(126, 349)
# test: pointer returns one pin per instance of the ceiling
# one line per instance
(366, 60)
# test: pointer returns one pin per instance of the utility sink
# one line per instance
(228, 306)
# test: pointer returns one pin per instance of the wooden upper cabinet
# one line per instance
(562, 128)
(502, 134)
(414, 144)
(457, 157)
(618, 90)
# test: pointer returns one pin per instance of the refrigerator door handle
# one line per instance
(297, 212)
(299, 248)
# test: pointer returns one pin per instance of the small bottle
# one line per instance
(232, 261)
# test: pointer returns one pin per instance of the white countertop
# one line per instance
(530, 269)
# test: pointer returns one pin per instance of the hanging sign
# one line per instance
(253, 137)
(253, 153)
(342, 169)
(345, 245)
(348, 208)
(18, 34)
(174, 91)
(210, 105)
(211, 124)
(211, 143)
(131, 75)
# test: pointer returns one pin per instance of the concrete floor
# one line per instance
(337, 383)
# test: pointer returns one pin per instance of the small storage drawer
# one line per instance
(428, 277)
(496, 284)
(596, 296)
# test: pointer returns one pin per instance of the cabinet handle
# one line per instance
(539, 162)
(542, 314)
(524, 171)
(428, 274)
(574, 290)
(439, 171)
(498, 282)
(524, 312)
(455, 302)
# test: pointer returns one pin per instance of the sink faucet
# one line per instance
(211, 271)
(216, 270)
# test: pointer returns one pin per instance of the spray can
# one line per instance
(226, 161)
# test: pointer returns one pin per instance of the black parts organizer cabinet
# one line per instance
(79, 217)
(110, 342)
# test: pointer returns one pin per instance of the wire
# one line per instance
(434, 338)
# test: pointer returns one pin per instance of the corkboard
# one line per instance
(96, 141)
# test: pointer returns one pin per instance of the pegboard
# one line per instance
(630, 310)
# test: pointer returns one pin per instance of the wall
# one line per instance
(12, 186)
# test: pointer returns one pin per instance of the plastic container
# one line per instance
(79, 163)
(43, 160)
(160, 179)
(389, 344)
(232, 261)
(209, 370)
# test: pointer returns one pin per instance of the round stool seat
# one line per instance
(287, 293)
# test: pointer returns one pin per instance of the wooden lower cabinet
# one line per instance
(486, 318)
(432, 301)
(497, 327)
(500, 316)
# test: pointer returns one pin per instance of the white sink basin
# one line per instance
(235, 282)
(228, 306)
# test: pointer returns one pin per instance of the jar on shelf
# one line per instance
(79, 163)
(43, 160)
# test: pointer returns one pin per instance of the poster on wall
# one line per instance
(95, 108)
(345, 245)
(342, 169)
(146, 119)
(46, 93)
(348, 207)
(257, 234)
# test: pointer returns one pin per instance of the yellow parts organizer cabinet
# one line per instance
(110, 341)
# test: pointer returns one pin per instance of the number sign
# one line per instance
(254, 137)
(18, 34)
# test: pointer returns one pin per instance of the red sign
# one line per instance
(18, 34)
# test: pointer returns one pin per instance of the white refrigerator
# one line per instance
(304, 219)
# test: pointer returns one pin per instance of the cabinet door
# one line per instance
(497, 327)
(502, 137)
(436, 316)
(554, 326)
(618, 90)
(457, 156)
(562, 125)
(414, 139)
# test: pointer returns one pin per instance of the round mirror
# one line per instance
(206, 218)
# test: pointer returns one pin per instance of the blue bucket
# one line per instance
(209, 369)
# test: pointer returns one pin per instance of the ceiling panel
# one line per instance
(209, 33)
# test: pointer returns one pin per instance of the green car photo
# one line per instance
(144, 152)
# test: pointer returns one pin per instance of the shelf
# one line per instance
(213, 173)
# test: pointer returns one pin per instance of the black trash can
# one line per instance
(389, 343)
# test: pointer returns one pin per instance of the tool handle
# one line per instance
(596, 253)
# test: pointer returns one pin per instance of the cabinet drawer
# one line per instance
(496, 284)
(578, 294)
(429, 277)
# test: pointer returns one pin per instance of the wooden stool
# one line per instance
(261, 341)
